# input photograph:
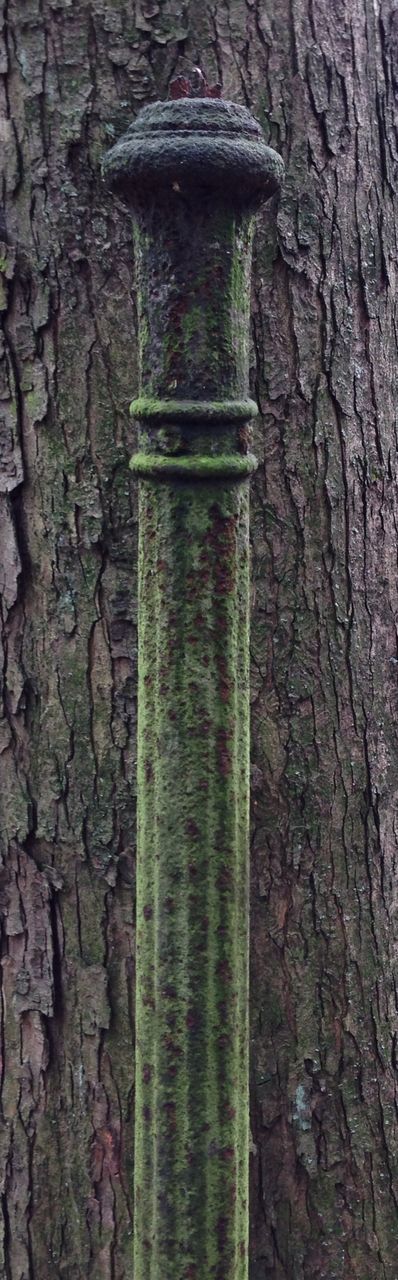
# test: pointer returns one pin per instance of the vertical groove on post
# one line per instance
(193, 172)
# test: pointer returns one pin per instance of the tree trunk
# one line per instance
(323, 80)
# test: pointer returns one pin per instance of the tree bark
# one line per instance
(323, 81)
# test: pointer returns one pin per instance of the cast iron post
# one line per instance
(193, 171)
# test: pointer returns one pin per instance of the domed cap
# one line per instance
(194, 145)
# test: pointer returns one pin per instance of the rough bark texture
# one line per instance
(323, 79)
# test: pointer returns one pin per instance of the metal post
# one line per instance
(193, 171)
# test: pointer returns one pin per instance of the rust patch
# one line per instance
(191, 829)
(148, 771)
(222, 1233)
(148, 1002)
(224, 880)
(192, 1020)
(225, 684)
(222, 541)
(224, 757)
(172, 1048)
(169, 992)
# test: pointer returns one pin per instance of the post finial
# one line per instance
(198, 145)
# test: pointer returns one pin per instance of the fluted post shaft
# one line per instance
(194, 172)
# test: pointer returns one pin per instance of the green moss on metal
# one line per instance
(193, 410)
(191, 1157)
(192, 909)
(202, 467)
(194, 174)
